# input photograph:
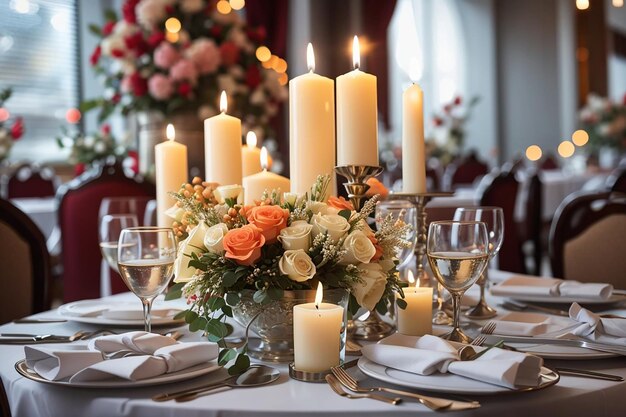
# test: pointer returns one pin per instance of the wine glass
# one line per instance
(123, 205)
(458, 253)
(146, 258)
(111, 226)
(493, 217)
(401, 211)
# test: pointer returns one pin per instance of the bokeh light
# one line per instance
(173, 25)
(580, 138)
(566, 149)
(223, 6)
(263, 53)
(283, 79)
(73, 116)
(281, 66)
(172, 37)
(4, 114)
(582, 4)
(237, 4)
(533, 153)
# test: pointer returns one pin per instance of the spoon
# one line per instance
(255, 375)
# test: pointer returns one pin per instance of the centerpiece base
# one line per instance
(267, 351)
(306, 376)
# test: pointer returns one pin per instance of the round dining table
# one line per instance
(571, 396)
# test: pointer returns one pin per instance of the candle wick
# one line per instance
(356, 66)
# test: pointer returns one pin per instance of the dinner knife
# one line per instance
(38, 321)
(561, 342)
(589, 374)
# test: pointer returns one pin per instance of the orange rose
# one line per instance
(270, 219)
(340, 203)
(376, 187)
(243, 245)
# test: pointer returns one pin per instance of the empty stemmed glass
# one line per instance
(493, 217)
(111, 226)
(146, 258)
(458, 254)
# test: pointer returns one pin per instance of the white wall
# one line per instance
(616, 20)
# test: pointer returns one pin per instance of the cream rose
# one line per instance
(334, 224)
(317, 207)
(223, 192)
(359, 249)
(175, 212)
(291, 198)
(369, 292)
(296, 236)
(213, 239)
(297, 265)
(193, 244)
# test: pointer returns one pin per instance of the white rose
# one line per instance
(371, 289)
(297, 265)
(359, 249)
(111, 43)
(296, 236)
(99, 147)
(317, 207)
(150, 12)
(214, 236)
(89, 141)
(336, 225)
(223, 192)
(193, 244)
(175, 212)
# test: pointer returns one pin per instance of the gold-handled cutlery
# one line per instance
(589, 374)
(519, 306)
(336, 386)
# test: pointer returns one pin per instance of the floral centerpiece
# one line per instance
(85, 150)
(8, 135)
(605, 122)
(277, 245)
(178, 55)
(448, 135)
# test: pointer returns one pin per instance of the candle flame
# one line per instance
(170, 133)
(356, 53)
(264, 158)
(412, 280)
(414, 71)
(310, 57)
(319, 295)
(251, 139)
(223, 102)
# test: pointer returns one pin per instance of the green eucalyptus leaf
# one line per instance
(225, 356)
(241, 364)
(381, 307)
(345, 213)
(229, 279)
(198, 324)
(227, 310)
(95, 29)
(260, 297)
(275, 293)
(190, 316)
(401, 303)
(215, 303)
(232, 298)
(216, 328)
(180, 315)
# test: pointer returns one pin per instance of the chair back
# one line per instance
(464, 172)
(617, 180)
(29, 180)
(549, 163)
(587, 238)
(79, 204)
(500, 189)
(531, 226)
(25, 265)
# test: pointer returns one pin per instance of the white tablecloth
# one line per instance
(571, 397)
(43, 212)
(558, 184)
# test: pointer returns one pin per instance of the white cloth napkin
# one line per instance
(429, 354)
(519, 285)
(604, 330)
(81, 363)
(529, 324)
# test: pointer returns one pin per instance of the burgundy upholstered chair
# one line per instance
(617, 180)
(549, 163)
(500, 190)
(29, 180)
(531, 226)
(464, 172)
(79, 202)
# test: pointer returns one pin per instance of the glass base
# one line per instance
(481, 311)
(270, 351)
(457, 335)
(440, 317)
(373, 328)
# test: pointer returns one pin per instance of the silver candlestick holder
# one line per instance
(373, 328)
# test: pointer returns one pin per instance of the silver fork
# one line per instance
(335, 384)
(349, 382)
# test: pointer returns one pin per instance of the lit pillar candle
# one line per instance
(254, 185)
(250, 156)
(311, 127)
(317, 334)
(357, 116)
(413, 150)
(222, 147)
(170, 159)
(416, 318)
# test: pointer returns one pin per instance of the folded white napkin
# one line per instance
(604, 330)
(529, 324)
(519, 285)
(82, 363)
(429, 354)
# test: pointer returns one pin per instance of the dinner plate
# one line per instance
(192, 372)
(93, 311)
(552, 299)
(448, 383)
(562, 352)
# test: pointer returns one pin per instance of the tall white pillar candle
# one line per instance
(222, 147)
(357, 116)
(311, 128)
(413, 150)
(416, 318)
(170, 159)
(317, 334)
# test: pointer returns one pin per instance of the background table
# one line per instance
(571, 397)
(43, 212)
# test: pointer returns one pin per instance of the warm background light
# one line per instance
(72, 116)
(263, 53)
(223, 6)
(618, 3)
(172, 25)
(283, 79)
(582, 4)
(172, 37)
(237, 4)
(4, 114)
(281, 66)
(580, 138)
(533, 153)
(566, 149)
(271, 63)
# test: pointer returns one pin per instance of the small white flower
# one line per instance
(214, 237)
(297, 265)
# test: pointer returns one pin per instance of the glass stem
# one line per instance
(147, 307)
(456, 307)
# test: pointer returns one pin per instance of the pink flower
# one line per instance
(165, 55)
(205, 54)
(184, 70)
(160, 87)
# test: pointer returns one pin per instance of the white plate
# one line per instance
(562, 352)
(449, 383)
(72, 311)
(188, 373)
(567, 300)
